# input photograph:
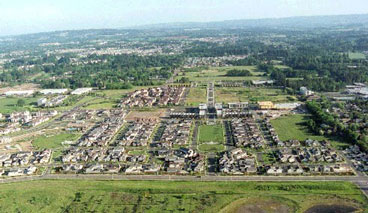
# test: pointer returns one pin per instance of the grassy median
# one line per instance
(170, 196)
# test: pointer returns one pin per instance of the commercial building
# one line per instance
(53, 91)
(81, 91)
(19, 93)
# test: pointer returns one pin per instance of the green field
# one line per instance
(211, 138)
(119, 93)
(53, 142)
(100, 103)
(161, 196)
(196, 96)
(219, 74)
(9, 105)
(211, 133)
(238, 94)
(294, 127)
(356, 56)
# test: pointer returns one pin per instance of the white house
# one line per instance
(304, 91)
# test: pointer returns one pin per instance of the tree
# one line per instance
(21, 102)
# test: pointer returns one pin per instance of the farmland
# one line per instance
(158, 196)
(219, 74)
(252, 94)
(196, 96)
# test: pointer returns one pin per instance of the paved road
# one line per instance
(195, 136)
(211, 94)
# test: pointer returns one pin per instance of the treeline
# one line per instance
(111, 72)
(323, 123)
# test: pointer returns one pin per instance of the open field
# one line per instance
(119, 93)
(20, 87)
(154, 114)
(173, 196)
(52, 142)
(356, 56)
(9, 104)
(100, 103)
(196, 96)
(293, 127)
(239, 94)
(282, 66)
(209, 133)
(219, 74)
(211, 138)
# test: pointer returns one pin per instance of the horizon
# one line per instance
(141, 26)
(18, 17)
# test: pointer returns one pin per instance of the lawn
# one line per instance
(196, 96)
(294, 127)
(9, 105)
(238, 94)
(100, 103)
(119, 93)
(53, 142)
(171, 196)
(211, 133)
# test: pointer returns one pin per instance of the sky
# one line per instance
(31, 16)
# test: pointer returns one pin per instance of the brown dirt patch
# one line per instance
(146, 114)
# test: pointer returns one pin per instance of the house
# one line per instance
(304, 91)
(41, 101)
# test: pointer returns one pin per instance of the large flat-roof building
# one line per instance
(53, 91)
(81, 91)
(19, 93)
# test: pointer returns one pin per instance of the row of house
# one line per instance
(157, 96)
(52, 102)
(237, 162)
(307, 155)
(358, 158)
(16, 172)
(103, 132)
(98, 168)
(117, 154)
(246, 133)
(137, 133)
(25, 158)
(31, 119)
(174, 132)
(337, 169)
(183, 161)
